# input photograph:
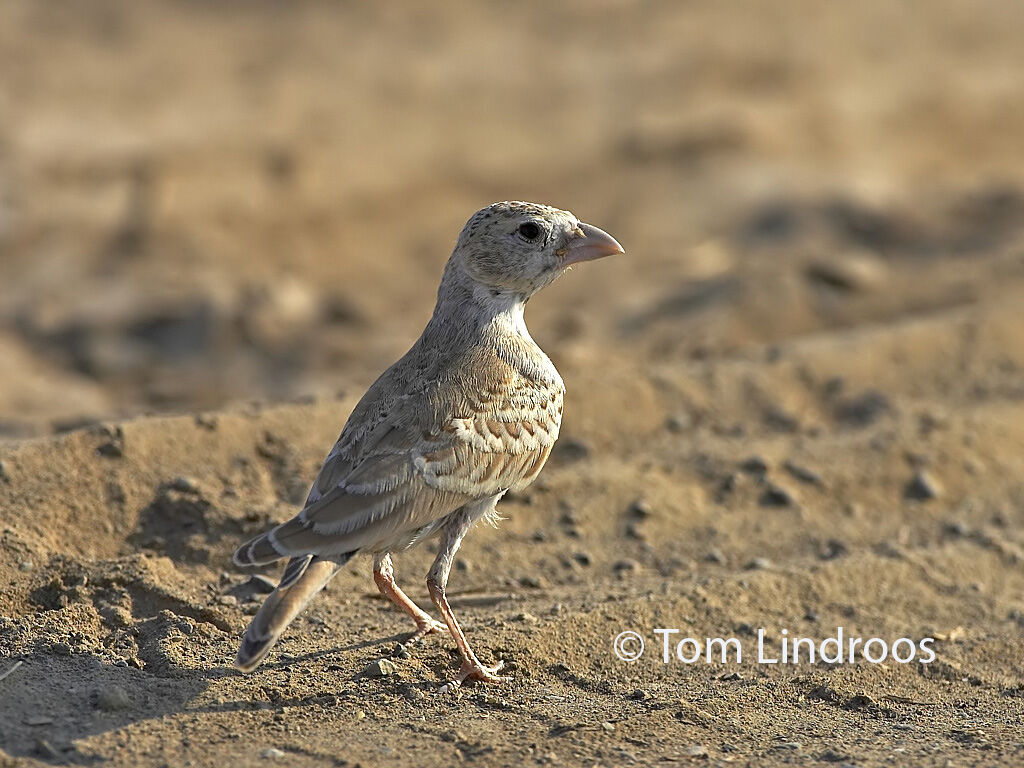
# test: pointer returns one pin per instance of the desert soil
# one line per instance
(796, 403)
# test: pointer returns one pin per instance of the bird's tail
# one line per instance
(303, 579)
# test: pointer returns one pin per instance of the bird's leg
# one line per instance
(384, 576)
(437, 581)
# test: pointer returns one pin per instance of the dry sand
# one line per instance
(797, 403)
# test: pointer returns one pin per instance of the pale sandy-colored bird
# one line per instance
(470, 412)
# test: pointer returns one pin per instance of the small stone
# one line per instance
(25, 566)
(608, 727)
(4, 477)
(833, 548)
(802, 473)
(111, 450)
(858, 271)
(640, 509)
(582, 558)
(626, 566)
(639, 695)
(759, 564)
(715, 555)
(527, 618)
(923, 487)
(777, 496)
(60, 649)
(791, 746)
(634, 531)
(206, 421)
(378, 668)
(186, 627)
(679, 422)
(864, 409)
(271, 753)
(112, 698)
(400, 651)
(36, 720)
(754, 465)
(227, 600)
(697, 750)
(183, 484)
(956, 528)
(532, 582)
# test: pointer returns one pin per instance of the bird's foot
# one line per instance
(426, 627)
(475, 670)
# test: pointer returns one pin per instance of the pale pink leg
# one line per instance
(384, 576)
(437, 581)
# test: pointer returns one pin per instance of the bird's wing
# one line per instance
(405, 473)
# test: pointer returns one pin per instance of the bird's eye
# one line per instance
(529, 230)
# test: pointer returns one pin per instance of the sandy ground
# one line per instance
(796, 404)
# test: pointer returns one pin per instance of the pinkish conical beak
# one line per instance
(593, 244)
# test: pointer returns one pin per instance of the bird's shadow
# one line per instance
(51, 701)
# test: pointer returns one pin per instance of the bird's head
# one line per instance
(518, 248)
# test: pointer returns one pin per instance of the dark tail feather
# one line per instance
(259, 551)
(283, 605)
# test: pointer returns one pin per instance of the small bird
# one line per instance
(469, 413)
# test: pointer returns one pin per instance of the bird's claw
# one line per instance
(474, 670)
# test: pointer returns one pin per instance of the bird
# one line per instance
(469, 413)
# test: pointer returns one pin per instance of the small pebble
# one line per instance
(25, 566)
(227, 600)
(271, 753)
(789, 745)
(833, 548)
(955, 528)
(679, 422)
(378, 668)
(759, 564)
(754, 465)
(527, 618)
(697, 750)
(802, 473)
(777, 496)
(923, 487)
(112, 698)
(60, 649)
(609, 727)
(626, 566)
(183, 485)
(715, 555)
(634, 531)
(582, 558)
(640, 509)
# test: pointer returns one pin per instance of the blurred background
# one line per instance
(207, 203)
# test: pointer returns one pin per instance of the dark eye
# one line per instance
(529, 230)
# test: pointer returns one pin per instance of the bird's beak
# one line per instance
(594, 243)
